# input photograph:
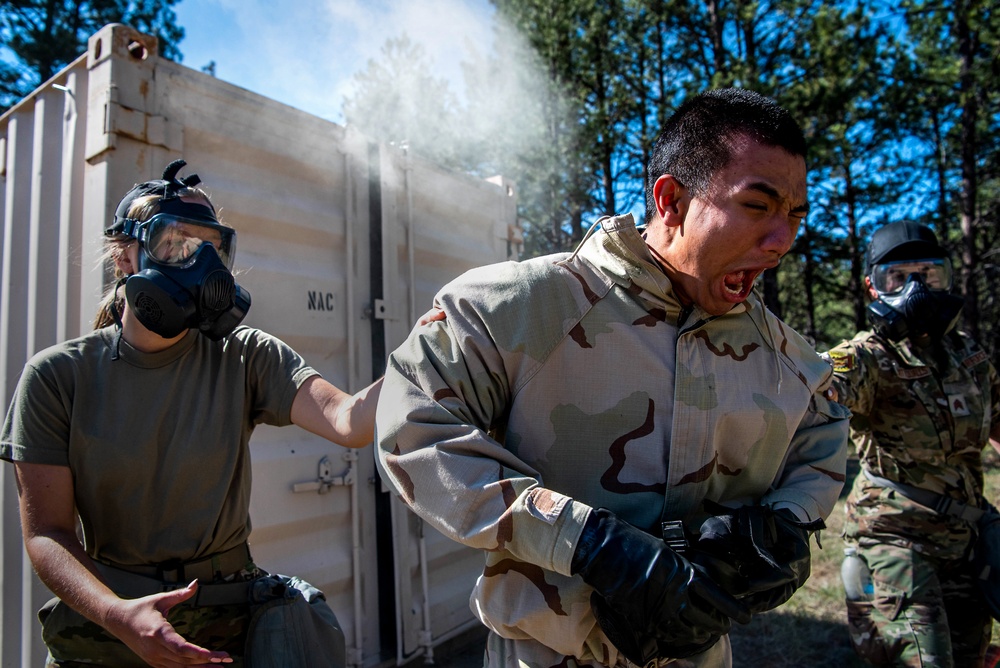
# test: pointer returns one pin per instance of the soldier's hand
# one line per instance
(142, 624)
(433, 314)
(648, 598)
(757, 554)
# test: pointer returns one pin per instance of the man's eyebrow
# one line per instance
(766, 189)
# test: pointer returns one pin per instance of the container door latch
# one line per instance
(325, 478)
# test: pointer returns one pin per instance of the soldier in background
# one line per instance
(596, 421)
(926, 401)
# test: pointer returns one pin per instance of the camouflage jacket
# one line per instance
(921, 418)
(569, 382)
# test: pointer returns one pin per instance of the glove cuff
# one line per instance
(589, 539)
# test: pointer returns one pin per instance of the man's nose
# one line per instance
(780, 233)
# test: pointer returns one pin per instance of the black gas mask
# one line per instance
(915, 309)
(183, 279)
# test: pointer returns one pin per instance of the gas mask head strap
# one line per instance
(168, 188)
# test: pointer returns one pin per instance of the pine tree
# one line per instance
(43, 36)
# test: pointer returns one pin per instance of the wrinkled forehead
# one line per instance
(768, 168)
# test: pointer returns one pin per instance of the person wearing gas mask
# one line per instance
(142, 428)
(926, 401)
(640, 449)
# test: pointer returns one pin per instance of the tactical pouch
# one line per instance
(985, 556)
(291, 626)
(985, 560)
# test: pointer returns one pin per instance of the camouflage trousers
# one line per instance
(73, 640)
(925, 612)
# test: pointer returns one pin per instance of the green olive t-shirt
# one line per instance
(157, 443)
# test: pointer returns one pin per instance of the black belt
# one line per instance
(139, 581)
(131, 585)
(214, 567)
(939, 503)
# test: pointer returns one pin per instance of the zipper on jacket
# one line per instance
(683, 316)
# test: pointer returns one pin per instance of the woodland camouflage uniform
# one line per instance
(921, 418)
(569, 382)
(221, 627)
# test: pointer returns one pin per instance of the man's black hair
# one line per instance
(698, 139)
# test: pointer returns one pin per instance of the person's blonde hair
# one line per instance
(142, 208)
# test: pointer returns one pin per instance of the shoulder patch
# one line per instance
(843, 361)
(912, 373)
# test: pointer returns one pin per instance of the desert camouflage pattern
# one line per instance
(73, 640)
(922, 418)
(569, 382)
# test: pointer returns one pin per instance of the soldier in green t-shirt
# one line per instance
(926, 401)
(142, 427)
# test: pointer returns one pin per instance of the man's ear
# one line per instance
(671, 200)
(871, 290)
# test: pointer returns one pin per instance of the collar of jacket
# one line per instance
(906, 352)
(616, 248)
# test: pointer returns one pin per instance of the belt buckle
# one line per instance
(944, 504)
(675, 538)
(170, 571)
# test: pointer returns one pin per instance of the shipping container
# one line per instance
(342, 244)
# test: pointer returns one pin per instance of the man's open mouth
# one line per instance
(739, 283)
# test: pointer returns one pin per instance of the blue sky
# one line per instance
(305, 52)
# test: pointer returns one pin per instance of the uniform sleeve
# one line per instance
(36, 429)
(814, 471)
(446, 390)
(275, 372)
(855, 375)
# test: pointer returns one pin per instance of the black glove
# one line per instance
(759, 555)
(649, 600)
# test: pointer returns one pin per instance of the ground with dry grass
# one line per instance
(811, 629)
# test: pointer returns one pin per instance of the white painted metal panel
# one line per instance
(41, 270)
(435, 226)
(296, 188)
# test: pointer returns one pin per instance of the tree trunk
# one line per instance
(716, 28)
(967, 90)
(808, 277)
(855, 282)
(942, 176)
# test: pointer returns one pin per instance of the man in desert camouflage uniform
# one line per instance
(925, 401)
(573, 408)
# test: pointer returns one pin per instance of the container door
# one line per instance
(435, 226)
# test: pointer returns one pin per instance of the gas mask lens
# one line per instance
(173, 240)
(890, 278)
